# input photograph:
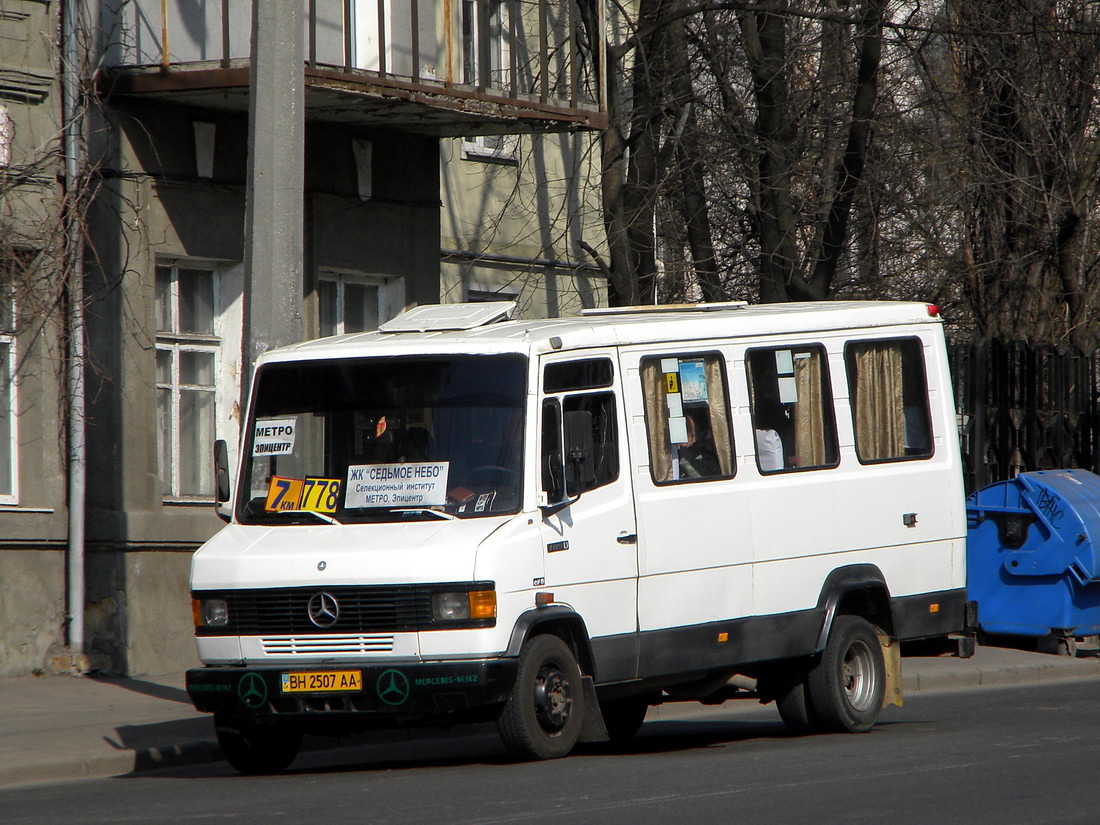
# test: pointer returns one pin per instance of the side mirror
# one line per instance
(221, 471)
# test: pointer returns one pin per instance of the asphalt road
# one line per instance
(1004, 755)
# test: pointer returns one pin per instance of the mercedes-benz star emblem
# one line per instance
(323, 610)
(252, 690)
(393, 687)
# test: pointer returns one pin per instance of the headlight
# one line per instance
(457, 607)
(210, 612)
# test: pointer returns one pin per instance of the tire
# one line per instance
(793, 700)
(255, 749)
(623, 717)
(543, 715)
(848, 683)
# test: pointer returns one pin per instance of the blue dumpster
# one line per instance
(1033, 564)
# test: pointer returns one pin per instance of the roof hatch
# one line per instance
(450, 317)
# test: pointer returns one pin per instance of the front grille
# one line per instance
(373, 609)
(343, 644)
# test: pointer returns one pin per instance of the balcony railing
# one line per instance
(525, 55)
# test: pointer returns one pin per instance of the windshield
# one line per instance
(384, 439)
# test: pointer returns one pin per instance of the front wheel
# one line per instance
(542, 717)
(255, 749)
(847, 686)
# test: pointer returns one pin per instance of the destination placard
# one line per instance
(417, 484)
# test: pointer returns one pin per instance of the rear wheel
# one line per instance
(542, 717)
(792, 697)
(254, 749)
(847, 686)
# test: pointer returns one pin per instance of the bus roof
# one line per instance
(474, 328)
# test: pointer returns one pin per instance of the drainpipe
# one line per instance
(74, 161)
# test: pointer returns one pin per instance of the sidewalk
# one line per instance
(64, 727)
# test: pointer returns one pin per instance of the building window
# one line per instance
(499, 148)
(495, 30)
(349, 303)
(8, 448)
(7, 136)
(792, 409)
(187, 351)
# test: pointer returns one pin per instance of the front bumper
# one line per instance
(392, 694)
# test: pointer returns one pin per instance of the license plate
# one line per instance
(322, 681)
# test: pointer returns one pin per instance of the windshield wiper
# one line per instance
(323, 516)
(440, 513)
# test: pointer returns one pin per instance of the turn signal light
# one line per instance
(483, 604)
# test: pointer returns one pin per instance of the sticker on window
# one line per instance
(693, 380)
(318, 495)
(274, 436)
(417, 484)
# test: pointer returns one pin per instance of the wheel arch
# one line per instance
(556, 620)
(858, 589)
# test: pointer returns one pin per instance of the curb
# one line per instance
(1057, 669)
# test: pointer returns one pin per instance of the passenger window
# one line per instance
(687, 418)
(564, 476)
(889, 398)
(792, 409)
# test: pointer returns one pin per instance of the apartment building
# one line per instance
(439, 136)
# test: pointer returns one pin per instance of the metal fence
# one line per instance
(1024, 408)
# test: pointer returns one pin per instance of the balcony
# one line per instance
(441, 67)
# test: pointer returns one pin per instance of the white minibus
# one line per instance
(557, 524)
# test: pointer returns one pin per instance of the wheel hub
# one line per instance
(858, 677)
(553, 698)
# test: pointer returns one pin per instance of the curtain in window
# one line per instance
(656, 413)
(719, 417)
(879, 402)
(809, 412)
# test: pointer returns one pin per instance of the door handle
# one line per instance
(627, 538)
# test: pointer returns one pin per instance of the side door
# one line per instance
(588, 524)
(694, 532)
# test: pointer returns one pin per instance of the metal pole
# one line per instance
(73, 148)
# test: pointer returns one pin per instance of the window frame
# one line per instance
(176, 342)
(723, 374)
(387, 304)
(925, 405)
(8, 337)
(828, 406)
(559, 399)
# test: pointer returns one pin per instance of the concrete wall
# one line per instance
(33, 526)
(538, 203)
(156, 208)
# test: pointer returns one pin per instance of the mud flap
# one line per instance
(891, 657)
(593, 728)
